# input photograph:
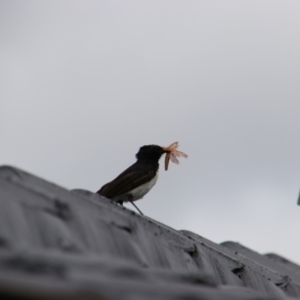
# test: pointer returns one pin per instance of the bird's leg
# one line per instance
(130, 199)
(136, 207)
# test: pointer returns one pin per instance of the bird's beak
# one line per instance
(165, 150)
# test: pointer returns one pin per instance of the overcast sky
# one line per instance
(84, 84)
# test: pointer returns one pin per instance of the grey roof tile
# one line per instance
(65, 244)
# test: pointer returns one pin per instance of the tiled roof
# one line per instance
(61, 244)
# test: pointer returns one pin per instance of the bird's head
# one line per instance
(153, 152)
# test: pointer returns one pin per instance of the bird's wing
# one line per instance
(130, 179)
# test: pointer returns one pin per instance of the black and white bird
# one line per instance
(137, 180)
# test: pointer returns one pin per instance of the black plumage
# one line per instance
(138, 179)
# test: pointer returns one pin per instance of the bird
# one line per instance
(138, 179)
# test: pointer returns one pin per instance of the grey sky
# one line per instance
(84, 84)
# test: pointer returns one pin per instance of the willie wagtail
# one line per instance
(136, 181)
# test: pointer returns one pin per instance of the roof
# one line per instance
(62, 244)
